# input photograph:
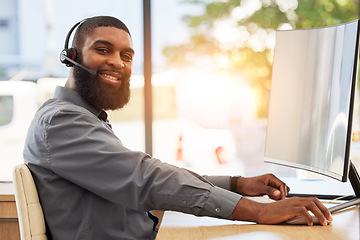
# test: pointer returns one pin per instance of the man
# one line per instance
(93, 187)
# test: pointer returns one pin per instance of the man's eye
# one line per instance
(102, 50)
(126, 57)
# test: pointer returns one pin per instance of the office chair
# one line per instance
(30, 214)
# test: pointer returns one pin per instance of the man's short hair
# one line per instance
(89, 24)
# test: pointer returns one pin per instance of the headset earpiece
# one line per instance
(69, 53)
(68, 56)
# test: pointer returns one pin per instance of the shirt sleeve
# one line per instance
(85, 151)
(220, 181)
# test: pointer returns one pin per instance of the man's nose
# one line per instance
(116, 61)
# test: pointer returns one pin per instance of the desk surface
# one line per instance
(345, 223)
(6, 191)
(182, 226)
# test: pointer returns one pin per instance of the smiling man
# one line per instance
(110, 54)
(92, 187)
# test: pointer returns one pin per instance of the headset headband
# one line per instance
(69, 33)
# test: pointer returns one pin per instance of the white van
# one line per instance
(18, 104)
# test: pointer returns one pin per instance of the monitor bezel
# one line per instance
(351, 109)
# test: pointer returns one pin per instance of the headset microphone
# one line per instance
(68, 55)
(63, 57)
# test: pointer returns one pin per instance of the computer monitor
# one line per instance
(312, 99)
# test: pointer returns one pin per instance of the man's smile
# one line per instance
(111, 77)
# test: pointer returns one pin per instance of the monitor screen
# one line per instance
(311, 99)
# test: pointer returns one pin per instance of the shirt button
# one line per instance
(217, 209)
(184, 202)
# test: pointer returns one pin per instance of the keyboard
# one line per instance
(298, 220)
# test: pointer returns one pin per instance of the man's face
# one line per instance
(109, 52)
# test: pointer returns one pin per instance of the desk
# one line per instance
(345, 226)
(9, 226)
(345, 223)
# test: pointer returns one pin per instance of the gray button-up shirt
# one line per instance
(92, 187)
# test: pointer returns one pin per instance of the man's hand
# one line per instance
(280, 211)
(266, 184)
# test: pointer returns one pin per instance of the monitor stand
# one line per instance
(352, 200)
(354, 179)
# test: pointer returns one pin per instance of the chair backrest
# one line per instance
(30, 214)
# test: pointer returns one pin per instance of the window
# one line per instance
(4, 23)
(6, 109)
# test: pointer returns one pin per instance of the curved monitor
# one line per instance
(311, 101)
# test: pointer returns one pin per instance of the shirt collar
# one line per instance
(69, 95)
(103, 116)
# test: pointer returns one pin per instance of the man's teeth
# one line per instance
(111, 77)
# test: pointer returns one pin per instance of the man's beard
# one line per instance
(100, 96)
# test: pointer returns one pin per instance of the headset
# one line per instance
(68, 55)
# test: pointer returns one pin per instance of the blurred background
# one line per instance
(211, 73)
